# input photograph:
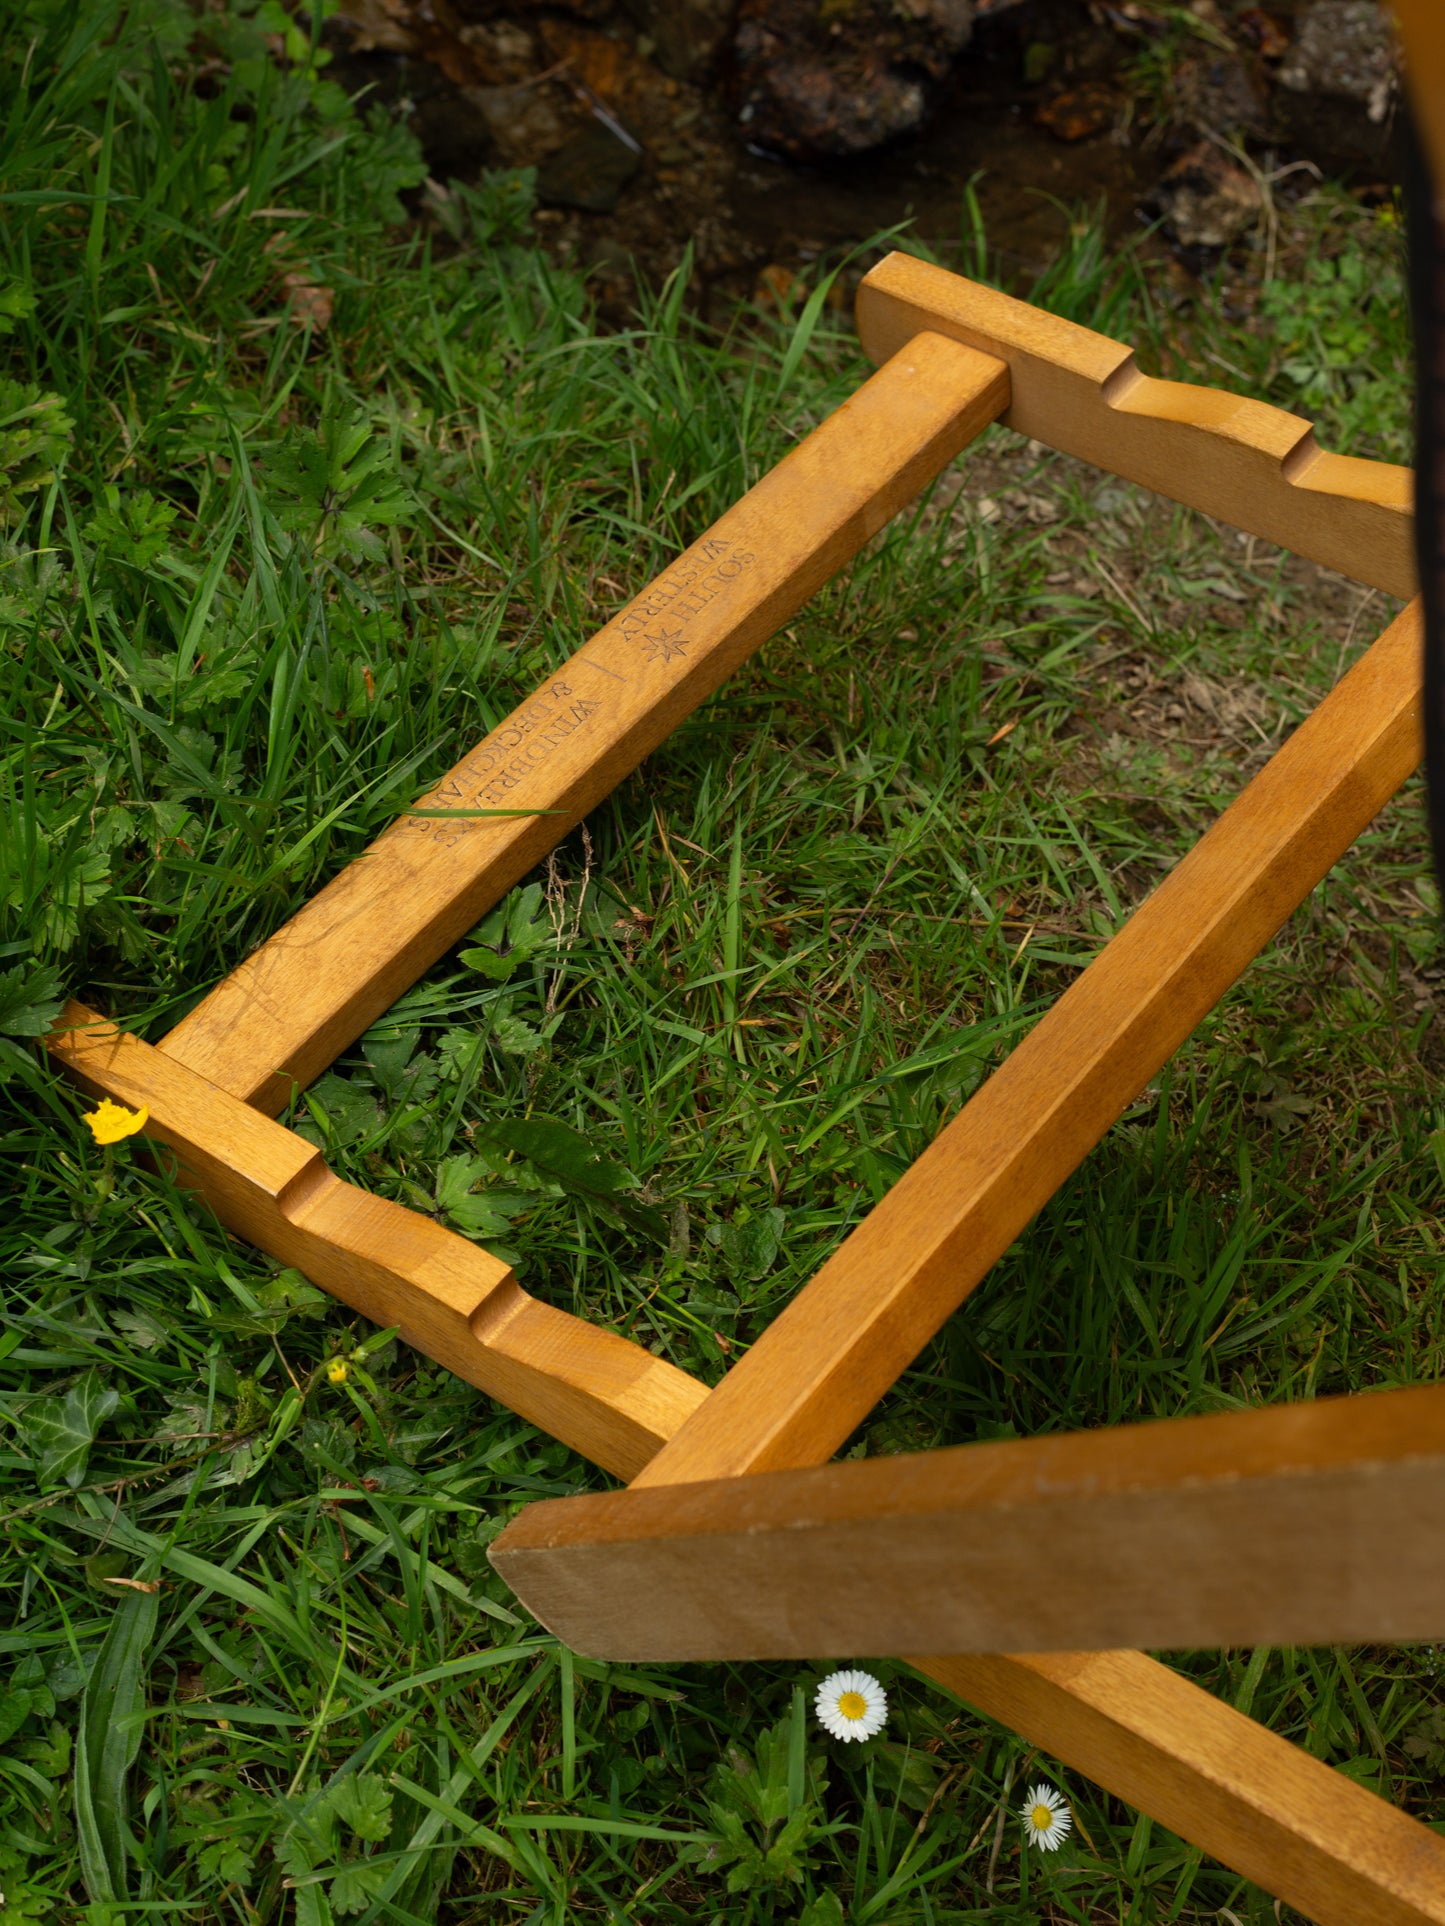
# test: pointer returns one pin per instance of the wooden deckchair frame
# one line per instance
(954, 357)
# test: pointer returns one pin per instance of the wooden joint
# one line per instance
(607, 1398)
(1242, 461)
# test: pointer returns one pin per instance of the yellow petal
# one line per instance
(112, 1121)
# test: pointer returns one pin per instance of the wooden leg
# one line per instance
(822, 1365)
(1323, 1844)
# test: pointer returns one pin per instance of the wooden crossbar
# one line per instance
(956, 357)
(1241, 461)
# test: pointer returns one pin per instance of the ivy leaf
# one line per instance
(60, 1431)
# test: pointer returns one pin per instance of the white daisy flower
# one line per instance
(1046, 1817)
(851, 1705)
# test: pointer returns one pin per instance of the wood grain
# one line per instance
(1306, 1833)
(1127, 1536)
(292, 1006)
(1241, 461)
(607, 1398)
(824, 1362)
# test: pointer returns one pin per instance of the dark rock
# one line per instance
(590, 171)
(1206, 199)
(687, 35)
(820, 81)
(1216, 92)
(505, 49)
(1338, 83)
(1344, 48)
(526, 122)
(455, 138)
(810, 109)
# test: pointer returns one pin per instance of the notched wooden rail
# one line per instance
(607, 1398)
(1242, 461)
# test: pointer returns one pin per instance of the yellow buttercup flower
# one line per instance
(112, 1121)
(336, 1370)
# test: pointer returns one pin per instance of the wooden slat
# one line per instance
(279, 1019)
(1098, 1539)
(1323, 1844)
(822, 1365)
(1242, 461)
(607, 1398)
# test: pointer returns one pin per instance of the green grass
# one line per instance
(262, 582)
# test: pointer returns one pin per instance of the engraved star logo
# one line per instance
(664, 643)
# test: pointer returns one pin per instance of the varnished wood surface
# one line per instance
(1241, 461)
(1422, 28)
(1129, 1536)
(1334, 1850)
(824, 1362)
(607, 1398)
(1308, 1834)
(290, 1008)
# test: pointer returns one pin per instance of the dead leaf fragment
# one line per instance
(307, 303)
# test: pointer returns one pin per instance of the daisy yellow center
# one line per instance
(1042, 1817)
(852, 1705)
